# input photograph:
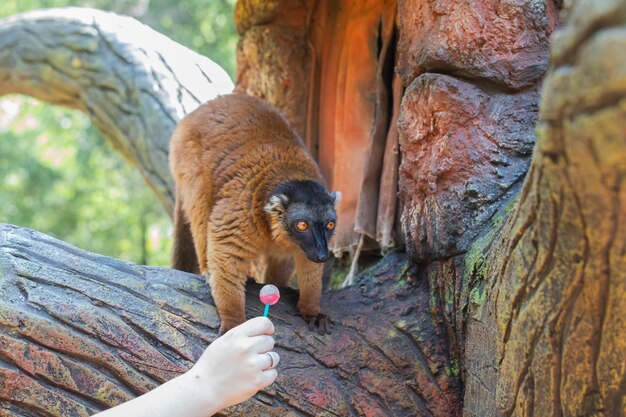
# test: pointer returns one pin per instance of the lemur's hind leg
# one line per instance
(197, 211)
(183, 251)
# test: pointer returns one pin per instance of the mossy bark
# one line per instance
(548, 339)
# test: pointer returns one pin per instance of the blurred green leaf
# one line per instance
(56, 173)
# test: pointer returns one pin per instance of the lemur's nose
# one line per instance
(321, 257)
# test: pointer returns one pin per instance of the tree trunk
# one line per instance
(81, 332)
(133, 82)
(562, 291)
(545, 331)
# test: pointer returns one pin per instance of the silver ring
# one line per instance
(271, 360)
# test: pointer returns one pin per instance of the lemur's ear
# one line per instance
(277, 204)
(336, 196)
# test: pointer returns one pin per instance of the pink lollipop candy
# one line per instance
(269, 296)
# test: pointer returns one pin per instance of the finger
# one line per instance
(268, 360)
(256, 326)
(261, 344)
(268, 377)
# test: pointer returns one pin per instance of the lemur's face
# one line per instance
(311, 226)
(307, 215)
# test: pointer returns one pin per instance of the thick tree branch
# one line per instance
(81, 332)
(133, 82)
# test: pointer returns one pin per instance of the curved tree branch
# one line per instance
(133, 82)
(81, 332)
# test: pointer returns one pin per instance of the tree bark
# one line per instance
(134, 83)
(81, 332)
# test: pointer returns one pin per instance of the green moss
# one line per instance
(337, 276)
(497, 221)
(338, 272)
(453, 369)
(366, 269)
(511, 205)
(402, 324)
(103, 394)
(475, 257)
(501, 215)
(477, 295)
(433, 301)
(401, 283)
(449, 297)
(57, 409)
(477, 298)
(403, 272)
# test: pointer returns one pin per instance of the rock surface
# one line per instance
(465, 151)
(328, 66)
(504, 42)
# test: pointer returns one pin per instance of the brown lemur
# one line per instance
(247, 189)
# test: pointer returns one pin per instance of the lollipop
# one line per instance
(269, 296)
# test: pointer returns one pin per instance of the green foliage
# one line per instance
(58, 176)
(56, 173)
(206, 26)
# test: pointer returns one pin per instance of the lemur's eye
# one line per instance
(330, 225)
(302, 226)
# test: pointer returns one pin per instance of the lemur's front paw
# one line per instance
(321, 322)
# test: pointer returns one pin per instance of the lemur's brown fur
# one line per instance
(226, 158)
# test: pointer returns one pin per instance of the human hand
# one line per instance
(232, 369)
(237, 365)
